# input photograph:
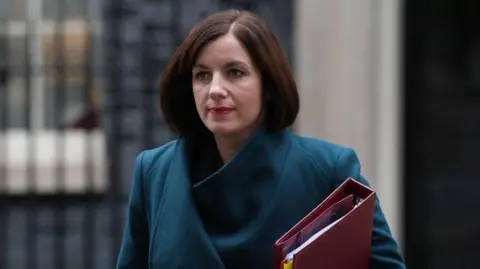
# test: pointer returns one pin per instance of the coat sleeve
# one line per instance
(384, 250)
(134, 248)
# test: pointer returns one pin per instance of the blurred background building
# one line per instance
(398, 81)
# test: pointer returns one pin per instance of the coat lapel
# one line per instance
(179, 239)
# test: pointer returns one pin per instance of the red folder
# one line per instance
(346, 244)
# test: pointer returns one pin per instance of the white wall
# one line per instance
(346, 60)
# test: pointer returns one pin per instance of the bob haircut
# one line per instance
(279, 91)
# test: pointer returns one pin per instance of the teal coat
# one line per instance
(232, 218)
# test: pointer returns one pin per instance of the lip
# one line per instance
(220, 110)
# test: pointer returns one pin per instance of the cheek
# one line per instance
(252, 104)
(257, 98)
(199, 97)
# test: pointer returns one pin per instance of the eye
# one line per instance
(236, 73)
(202, 75)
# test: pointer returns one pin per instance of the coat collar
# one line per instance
(185, 226)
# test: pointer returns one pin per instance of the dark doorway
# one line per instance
(442, 121)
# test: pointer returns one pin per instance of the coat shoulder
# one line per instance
(319, 151)
(319, 158)
(158, 157)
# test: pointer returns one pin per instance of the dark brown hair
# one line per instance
(280, 94)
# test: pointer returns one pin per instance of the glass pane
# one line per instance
(69, 103)
(88, 100)
(3, 50)
(75, 9)
(17, 103)
(3, 10)
(50, 9)
(69, 49)
(56, 101)
(68, 9)
(97, 53)
(16, 52)
(53, 47)
(14, 9)
(94, 9)
(76, 49)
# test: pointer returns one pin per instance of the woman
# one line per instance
(236, 179)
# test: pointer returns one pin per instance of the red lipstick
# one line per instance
(220, 110)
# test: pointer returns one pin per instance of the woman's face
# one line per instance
(227, 88)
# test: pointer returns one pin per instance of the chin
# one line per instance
(222, 128)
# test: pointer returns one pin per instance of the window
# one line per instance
(55, 76)
(13, 9)
(50, 82)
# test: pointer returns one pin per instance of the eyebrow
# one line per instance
(234, 63)
(200, 66)
(229, 64)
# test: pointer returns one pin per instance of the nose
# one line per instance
(217, 87)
